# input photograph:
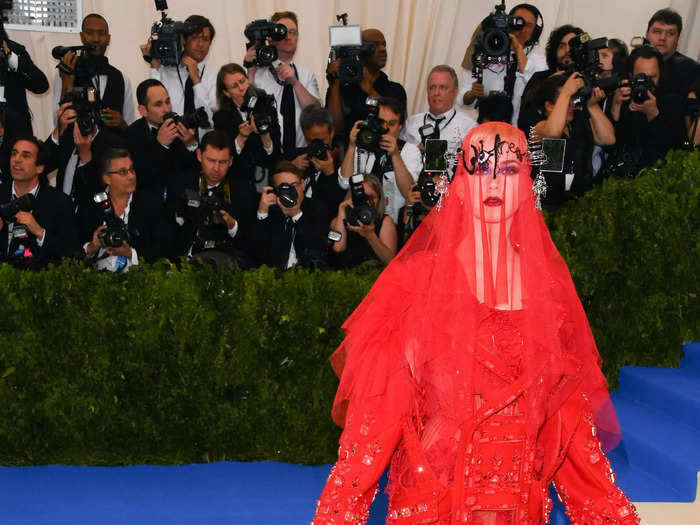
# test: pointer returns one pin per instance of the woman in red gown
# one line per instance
(470, 368)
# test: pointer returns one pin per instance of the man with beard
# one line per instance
(558, 60)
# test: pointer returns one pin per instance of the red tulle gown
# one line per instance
(470, 369)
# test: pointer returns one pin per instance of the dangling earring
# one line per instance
(536, 157)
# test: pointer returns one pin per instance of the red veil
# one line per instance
(486, 249)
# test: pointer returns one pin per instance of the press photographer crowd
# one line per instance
(246, 164)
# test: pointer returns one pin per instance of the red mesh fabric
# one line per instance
(486, 250)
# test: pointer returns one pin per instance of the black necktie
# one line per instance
(189, 95)
(288, 111)
(437, 121)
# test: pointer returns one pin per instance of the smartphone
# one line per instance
(435, 160)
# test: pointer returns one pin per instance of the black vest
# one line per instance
(113, 97)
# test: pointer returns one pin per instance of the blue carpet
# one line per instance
(658, 460)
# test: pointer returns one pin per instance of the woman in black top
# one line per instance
(254, 152)
(365, 242)
(580, 128)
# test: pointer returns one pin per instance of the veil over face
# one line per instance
(485, 249)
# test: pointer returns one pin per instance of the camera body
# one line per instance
(23, 203)
(350, 69)
(116, 233)
(584, 55)
(257, 32)
(640, 87)
(211, 229)
(166, 37)
(197, 119)
(317, 149)
(261, 106)
(361, 210)
(86, 103)
(492, 46)
(371, 129)
(287, 194)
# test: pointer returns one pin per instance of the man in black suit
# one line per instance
(17, 75)
(289, 231)
(212, 208)
(123, 226)
(160, 149)
(94, 70)
(44, 229)
(76, 156)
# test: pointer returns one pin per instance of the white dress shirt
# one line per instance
(265, 80)
(454, 126)
(494, 80)
(204, 92)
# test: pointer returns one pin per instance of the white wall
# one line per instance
(420, 33)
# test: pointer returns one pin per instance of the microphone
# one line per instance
(59, 51)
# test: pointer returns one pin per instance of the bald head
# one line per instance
(378, 60)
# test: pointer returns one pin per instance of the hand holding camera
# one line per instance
(648, 106)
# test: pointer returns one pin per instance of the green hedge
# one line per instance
(167, 366)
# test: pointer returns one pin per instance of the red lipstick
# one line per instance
(493, 201)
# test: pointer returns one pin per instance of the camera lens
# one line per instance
(266, 55)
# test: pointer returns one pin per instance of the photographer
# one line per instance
(76, 155)
(36, 220)
(20, 74)
(112, 85)
(648, 121)
(360, 241)
(289, 230)
(559, 60)
(396, 163)
(159, 147)
(347, 102)
(123, 226)
(293, 86)
(678, 71)
(212, 208)
(257, 145)
(580, 129)
(319, 160)
(522, 61)
(449, 124)
(191, 84)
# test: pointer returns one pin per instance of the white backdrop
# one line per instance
(420, 33)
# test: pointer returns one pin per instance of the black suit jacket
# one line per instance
(87, 180)
(151, 233)
(253, 153)
(242, 207)
(54, 212)
(273, 241)
(156, 166)
(27, 77)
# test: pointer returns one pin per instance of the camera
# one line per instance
(346, 45)
(371, 129)
(261, 106)
(211, 228)
(86, 103)
(317, 149)
(492, 46)
(287, 194)
(584, 55)
(640, 87)
(361, 211)
(166, 37)
(23, 203)
(197, 119)
(257, 33)
(116, 232)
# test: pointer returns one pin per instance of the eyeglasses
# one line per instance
(122, 171)
(293, 32)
